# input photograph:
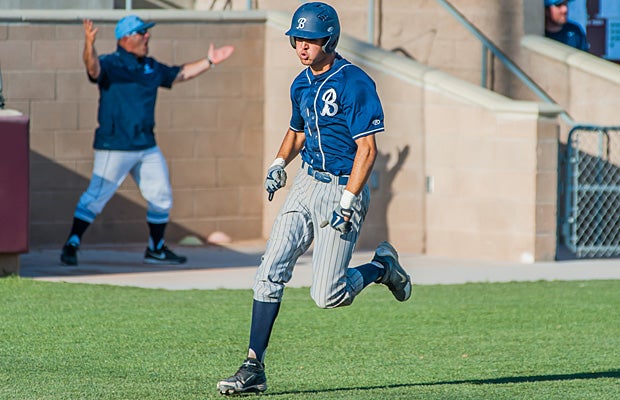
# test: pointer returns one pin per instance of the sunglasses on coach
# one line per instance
(141, 32)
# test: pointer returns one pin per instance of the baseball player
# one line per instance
(124, 144)
(336, 113)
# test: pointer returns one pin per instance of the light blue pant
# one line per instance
(148, 169)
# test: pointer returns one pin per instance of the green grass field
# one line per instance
(542, 340)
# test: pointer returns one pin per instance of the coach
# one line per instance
(128, 82)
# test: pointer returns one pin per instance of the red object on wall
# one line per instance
(14, 184)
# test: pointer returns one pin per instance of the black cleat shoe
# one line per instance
(250, 378)
(163, 256)
(69, 255)
(394, 277)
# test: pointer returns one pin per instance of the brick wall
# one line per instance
(209, 128)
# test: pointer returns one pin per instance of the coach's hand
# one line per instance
(341, 220)
(276, 179)
(216, 56)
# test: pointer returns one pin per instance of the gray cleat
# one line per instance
(394, 277)
(250, 378)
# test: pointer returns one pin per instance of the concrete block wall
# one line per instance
(494, 183)
(488, 158)
(491, 162)
(208, 128)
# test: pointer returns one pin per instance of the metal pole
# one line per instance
(249, 4)
(371, 21)
(483, 77)
(1, 96)
(128, 5)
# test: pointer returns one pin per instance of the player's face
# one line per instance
(137, 44)
(311, 54)
(558, 14)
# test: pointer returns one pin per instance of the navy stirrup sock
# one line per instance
(370, 273)
(156, 235)
(263, 317)
(77, 230)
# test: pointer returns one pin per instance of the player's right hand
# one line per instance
(341, 220)
(276, 179)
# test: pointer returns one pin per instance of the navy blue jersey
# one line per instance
(128, 90)
(334, 109)
(572, 35)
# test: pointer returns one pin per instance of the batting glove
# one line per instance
(338, 221)
(276, 178)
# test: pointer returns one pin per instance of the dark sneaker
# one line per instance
(250, 378)
(69, 254)
(394, 277)
(163, 256)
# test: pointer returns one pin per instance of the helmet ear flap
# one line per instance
(292, 41)
(330, 44)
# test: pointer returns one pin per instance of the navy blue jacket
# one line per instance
(127, 93)
(571, 34)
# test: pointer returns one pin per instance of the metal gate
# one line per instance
(591, 204)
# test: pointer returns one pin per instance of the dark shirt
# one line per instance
(572, 35)
(128, 90)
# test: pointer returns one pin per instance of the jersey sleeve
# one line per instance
(168, 74)
(104, 67)
(297, 122)
(364, 112)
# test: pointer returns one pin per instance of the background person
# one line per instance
(124, 143)
(559, 27)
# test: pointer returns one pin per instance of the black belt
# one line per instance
(324, 176)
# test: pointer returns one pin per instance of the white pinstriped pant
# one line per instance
(308, 203)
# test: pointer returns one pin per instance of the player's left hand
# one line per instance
(341, 220)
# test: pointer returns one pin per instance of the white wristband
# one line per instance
(278, 161)
(347, 199)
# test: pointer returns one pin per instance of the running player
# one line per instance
(124, 144)
(336, 114)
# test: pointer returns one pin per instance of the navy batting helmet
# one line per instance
(316, 21)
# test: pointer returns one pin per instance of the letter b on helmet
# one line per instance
(315, 21)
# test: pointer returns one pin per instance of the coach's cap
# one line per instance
(549, 3)
(130, 25)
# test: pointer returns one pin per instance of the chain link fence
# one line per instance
(591, 203)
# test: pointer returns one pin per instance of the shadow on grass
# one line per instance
(494, 381)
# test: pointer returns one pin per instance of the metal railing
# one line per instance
(488, 45)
